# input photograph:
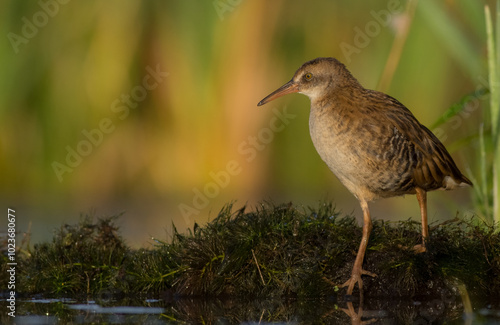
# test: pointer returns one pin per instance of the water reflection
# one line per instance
(357, 317)
(262, 311)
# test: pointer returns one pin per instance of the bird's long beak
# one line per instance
(288, 88)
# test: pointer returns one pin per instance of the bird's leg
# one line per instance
(422, 201)
(357, 269)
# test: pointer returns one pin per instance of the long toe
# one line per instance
(352, 282)
(420, 248)
(356, 278)
(373, 275)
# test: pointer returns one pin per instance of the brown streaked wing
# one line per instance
(435, 163)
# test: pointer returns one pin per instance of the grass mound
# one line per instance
(274, 251)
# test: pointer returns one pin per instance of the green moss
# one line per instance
(274, 251)
(81, 259)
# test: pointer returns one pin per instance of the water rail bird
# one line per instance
(372, 143)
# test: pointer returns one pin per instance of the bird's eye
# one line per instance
(308, 76)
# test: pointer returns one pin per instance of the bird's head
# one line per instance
(315, 79)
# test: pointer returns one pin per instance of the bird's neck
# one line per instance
(339, 99)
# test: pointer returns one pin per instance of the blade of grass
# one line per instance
(481, 192)
(458, 107)
(494, 104)
(483, 187)
(496, 188)
(492, 73)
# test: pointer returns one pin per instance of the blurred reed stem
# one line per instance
(397, 47)
(493, 45)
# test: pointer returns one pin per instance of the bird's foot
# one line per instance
(420, 248)
(356, 278)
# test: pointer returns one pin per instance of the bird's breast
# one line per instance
(361, 160)
(336, 143)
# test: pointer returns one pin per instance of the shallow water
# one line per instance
(230, 311)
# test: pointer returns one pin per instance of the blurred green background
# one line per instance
(71, 67)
